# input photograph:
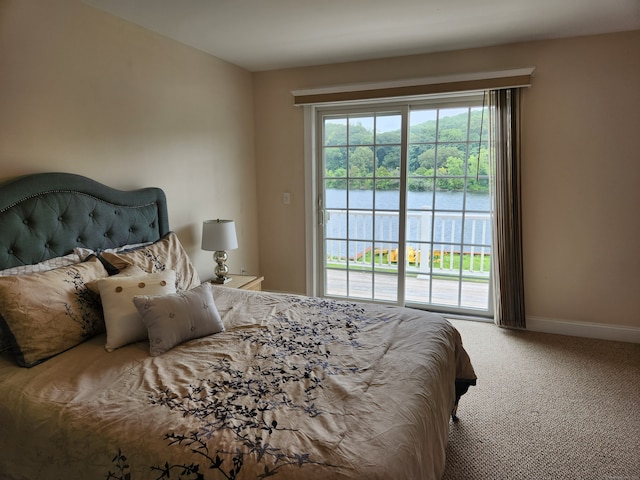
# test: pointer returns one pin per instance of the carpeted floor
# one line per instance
(546, 407)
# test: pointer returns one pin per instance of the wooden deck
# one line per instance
(449, 293)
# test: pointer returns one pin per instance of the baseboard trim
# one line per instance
(620, 333)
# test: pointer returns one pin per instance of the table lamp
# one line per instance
(219, 236)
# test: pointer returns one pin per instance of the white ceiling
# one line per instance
(272, 34)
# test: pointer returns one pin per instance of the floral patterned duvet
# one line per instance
(295, 388)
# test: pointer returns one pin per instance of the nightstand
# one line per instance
(243, 282)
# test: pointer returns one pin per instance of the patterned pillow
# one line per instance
(174, 319)
(50, 264)
(49, 312)
(122, 320)
(45, 266)
(166, 253)
(84, 252)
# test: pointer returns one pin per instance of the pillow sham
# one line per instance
(56, 262)
(129, 271)
(47, 265)
(166, 253)
(176, 318)
(122, 320)
(46, 313)
(84, 252)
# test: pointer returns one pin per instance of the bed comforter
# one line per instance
(296, 387)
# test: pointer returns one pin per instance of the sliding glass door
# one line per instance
(361, 185)
(404, 205)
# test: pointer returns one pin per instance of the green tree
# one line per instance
(361, 162)
(454, 167)
(422, 160)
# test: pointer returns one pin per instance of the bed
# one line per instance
(118, 363)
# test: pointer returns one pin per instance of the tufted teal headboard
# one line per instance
(47, 215)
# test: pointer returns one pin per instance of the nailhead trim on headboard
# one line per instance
(38, 222)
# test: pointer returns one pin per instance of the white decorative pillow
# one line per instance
(166, 253)
(45, 313)
(176, 318)
(123, 322)
(130, 271)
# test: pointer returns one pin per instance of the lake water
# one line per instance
(447, 226)
(390, 200)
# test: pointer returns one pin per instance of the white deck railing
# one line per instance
(451, 237)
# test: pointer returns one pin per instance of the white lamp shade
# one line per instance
(219, 235)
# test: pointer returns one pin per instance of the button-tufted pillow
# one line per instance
(122, 320)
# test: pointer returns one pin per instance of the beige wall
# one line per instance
(581, 168)
(84, 92)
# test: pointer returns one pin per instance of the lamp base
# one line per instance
(220, 256)
(221, 280)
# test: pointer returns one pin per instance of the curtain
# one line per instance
(506, 267)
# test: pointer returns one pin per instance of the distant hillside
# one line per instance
(456, 148)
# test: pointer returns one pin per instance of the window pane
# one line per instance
(360, 162)
(388, 161)
(478, 202)
(388, 129)
(386, 226)
(360, 197)
(453, 124)
(335, 230)
(386, 287)
(424, 257)
(413, 256)
(360, 225)
(445, 292)
(335, 194)
(477, 229)
(451, 157)
(336, 283)
(474, 293)
(385, 256)
(387, 194)
(335, 253)
(335, 131)
(419, 226)
(477, 261)
(361, 130)
(448, 228)
(480, 185)
(422, 160)
(417, 289)
(335, 161)
(360, 285)
(422, 126)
